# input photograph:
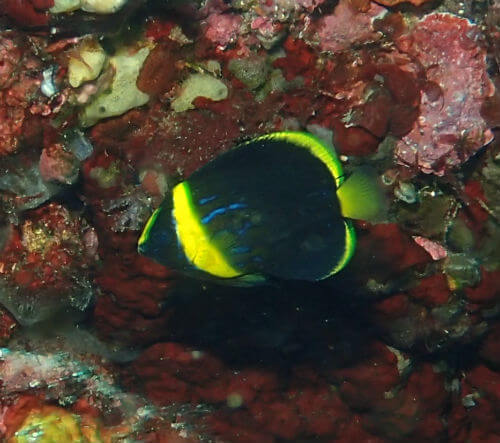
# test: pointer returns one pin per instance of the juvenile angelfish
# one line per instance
(275, 206)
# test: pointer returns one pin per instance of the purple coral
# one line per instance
(450, 128)
(347, 27)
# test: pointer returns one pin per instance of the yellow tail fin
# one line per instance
(361, 196)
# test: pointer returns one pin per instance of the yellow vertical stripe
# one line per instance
(195, 239)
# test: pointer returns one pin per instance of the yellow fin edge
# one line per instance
(314, 145)
(194, 238)
(147, 229)
(350, 247)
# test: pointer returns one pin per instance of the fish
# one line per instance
(277, 206)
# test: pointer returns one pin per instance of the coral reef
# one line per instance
(347, 27)
(450, 128)
(95, 409)
(27, 12)
(46, 265)
(20, 97)
(105, 106)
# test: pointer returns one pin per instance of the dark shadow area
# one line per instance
(284, 326)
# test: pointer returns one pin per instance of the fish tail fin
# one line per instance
(361, 196)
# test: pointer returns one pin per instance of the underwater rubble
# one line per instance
(106, 105)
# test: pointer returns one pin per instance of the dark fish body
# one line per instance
(269, 207)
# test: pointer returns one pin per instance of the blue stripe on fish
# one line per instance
(244, 228)
(237, 206)
(205, 200)
(240, 249)
(211, 215)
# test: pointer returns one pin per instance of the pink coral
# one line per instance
(310, 5)
(222, 29)
(347, 27)
(450, 128)
(435, 250)
(58, 165)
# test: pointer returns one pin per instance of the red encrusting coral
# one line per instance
(132, 291)
(7, 326)
(385, 251)
(362, 96)
(181, 143)
(47, 264)
(490, 348)
(21, 102)
(162, 69)
(432, 291)
(475, 412)
(364, 385)
(47, 249)
(132, 287)
(487, 292)
(259, 404)
(392, 307)
(27, 12)
(474, 212)
(300, 60)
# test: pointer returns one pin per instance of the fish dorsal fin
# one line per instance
(317, 147)
(361, 196)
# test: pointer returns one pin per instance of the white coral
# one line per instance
(95, 6)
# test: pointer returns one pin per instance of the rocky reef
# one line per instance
(106, 105)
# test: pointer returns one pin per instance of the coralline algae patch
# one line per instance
(105, 106)
(450, 127)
